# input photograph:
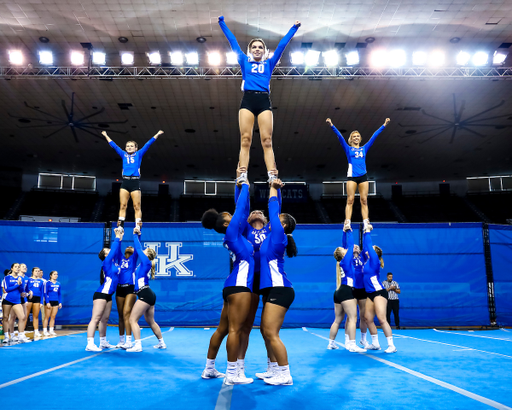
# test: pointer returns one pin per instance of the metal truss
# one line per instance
(311, 73)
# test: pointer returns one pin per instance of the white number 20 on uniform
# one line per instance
(258, 68)
(359, 154)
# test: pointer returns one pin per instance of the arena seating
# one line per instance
(155, 208)
(497, 206)
(379, 209)
(9, 196)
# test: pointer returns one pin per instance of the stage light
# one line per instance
(379, 58)
(311, 58)
(77, 58)
(480, 58)
(46, 57)
(331, 58)
(192, 58)
(231, 58)
(15, 57)
(352, 58)
(419, 58)
(397, 58)
(463, 58)
(436, 58)
(297, 58)
(177, 58)
(499, 57)
(99, 58)
(127, 58)
(154, 58)
(214, 58)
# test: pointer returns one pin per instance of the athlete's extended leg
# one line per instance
(149, 316)
(339, 314)
(239, 305)
(381, 304)
(6, 312)
(351, 193)
(36, 307)
(127, 310)
(362, 321)
(271, 322)
(244, 338)
(266, 126)
(104, 319)
(98, 306)
(219, 334)
(136, 200)
(124, 196)
(363, 196)
(120, 307)
(246, 122)
(138, 310)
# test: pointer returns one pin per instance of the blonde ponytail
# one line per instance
(153, 264)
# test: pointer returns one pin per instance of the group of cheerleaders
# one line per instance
(258, 248)
(22, 296)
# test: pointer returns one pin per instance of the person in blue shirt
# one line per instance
(344, 299)
(132, 158)
(102, 298)
(356, 174)
(125, 294)
(13, 287)
(35, 300)
(360, 293)
(377, 301)
(257, 71)
(278, 293)
(23, 273)
(146, 301)
(53, 299)
(238, 285)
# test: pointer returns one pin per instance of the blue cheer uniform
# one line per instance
(356, 156)
(126, 284)
(345, 289)
(142, 275)
(111, 270)
(371, 269)
(13, 290)
(52, 293)
(36, 286)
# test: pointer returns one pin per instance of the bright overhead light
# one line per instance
(379, 58)
(127, 58)
(436, 58)
(99, 58)
(331, 58)
(499, 57)
(419, 58)
(177, 58)
(463, 58)
(311, 58)
(15, 57)
(297, 58)
(231, 58)
(214, 58)
(192, 58)
(397, 58)
(352, 58)
(480, 58)
(77, 58)
(46, 57)
(154, 58)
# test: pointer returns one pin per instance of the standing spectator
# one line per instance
(393, 289)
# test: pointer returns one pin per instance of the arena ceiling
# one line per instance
(199, 116)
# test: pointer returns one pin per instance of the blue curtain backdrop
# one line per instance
(501, 255)
(440, 269)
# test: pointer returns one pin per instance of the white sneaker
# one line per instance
(241, 375)
(120, 344)
(92, 348)
(346, 225)
(267, 375)
(212, 374)
(368, 228)
(14, 339)
(24, 339)
(364, 343)
(160, 346)
(6, 340)
(332, 346)
(242, 178)
(126, 346)
(237, 380)
(271, 178)
(52, 333)
(106, 345)
(373, 347)
(136, 348)
(45, 333)
(391, 349)
(356, 349)
(280, 380)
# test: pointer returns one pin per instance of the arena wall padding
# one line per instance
(500, 237)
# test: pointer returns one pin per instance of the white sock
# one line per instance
(121, 218)
(231, 369)
(346, 338)
(285, 370)
(243, 175)
(210, 364)
(331, 342)
(269, 364)
(103, 340)
(6, 335)
(366, 222)
(121, 339)
(129, 339)
(161, 341)
(363, 337)
(15, 333)
(240, 363)
(137, 220)
(138, 342)
(51, 329)
(90, 340)
(352, 343)
(375, 340)
(390, 340)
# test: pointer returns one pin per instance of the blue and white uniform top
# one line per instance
(127, 266)
(25, 287)
(12, 288)
(131, 162)
(142, 273)
(358, 273)
(243, 264)
(111, 270)
(272, 251)
(371, 268)
(52, 292)
(256, 74)
(36, 286)
(356, 156)
(346, 263)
